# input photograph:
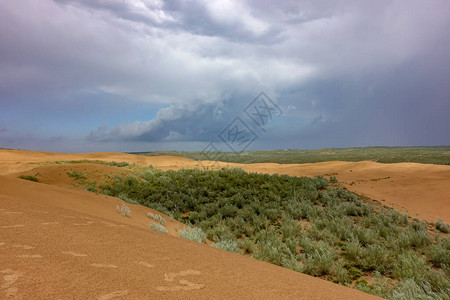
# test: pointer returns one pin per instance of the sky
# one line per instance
(147, 75)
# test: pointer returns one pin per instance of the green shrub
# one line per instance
(409, 265)
(440, 253)
(158, 218)
(124, 197)
(246, 245)
(125, 211)
(410, 289)
(415, 236)
(193, 233)
(319, 256)
(227, 245)
(29, 177)
(77, 175)
(158, 227)
(340, 273)
(441, 226)
(376, 257)
(271, 251)
(321, 182)
(353, 250)
(381, 286)
(90, 188)
(290, 228)
(117, 164)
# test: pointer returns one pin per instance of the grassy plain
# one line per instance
(427, 155)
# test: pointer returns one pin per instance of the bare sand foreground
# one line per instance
(59, 242)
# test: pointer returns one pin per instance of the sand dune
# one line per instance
(421, 190)
(57, 240)
(46, 254)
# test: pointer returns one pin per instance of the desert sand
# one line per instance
(60, 242)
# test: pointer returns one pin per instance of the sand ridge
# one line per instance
(420, 190)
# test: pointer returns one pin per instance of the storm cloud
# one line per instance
(142, 75)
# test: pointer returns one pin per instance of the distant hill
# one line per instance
(439, 155)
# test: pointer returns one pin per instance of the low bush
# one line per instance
(77, 175)
(158, 227)
(410, 289)
(193, 233)
(124, 210)
(117, 164)
(440, 253)
(29, 178)
(158, 218)
(441, 226)
(409, 265)
(227, 245)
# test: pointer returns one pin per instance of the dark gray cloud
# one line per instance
(345, 73)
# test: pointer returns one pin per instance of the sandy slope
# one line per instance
(421, 190)
(58, 242)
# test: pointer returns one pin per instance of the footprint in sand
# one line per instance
(147, 265)
(109, 224)
(9, 279)
(104, 266)
(26, 247)
(113, 295)
(185, 284)
(12, 226)
(49, 223)
(83, 224)
(29, 256)
(68, 217)
(74, 254)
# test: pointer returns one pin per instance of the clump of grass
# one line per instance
(440, 254)
(29, 177)
(441, 226)
(124, 210)
(77, 175)
(227, 245)
(193, 233)
(87, 161)
(158, 227)
(410, 289)
(124, 197)
(157, 217)
(116, 164)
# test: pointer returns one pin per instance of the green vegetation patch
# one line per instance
(77, 175)
(29, 177)
(86, 161)
(304, 224)
(427, 155)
